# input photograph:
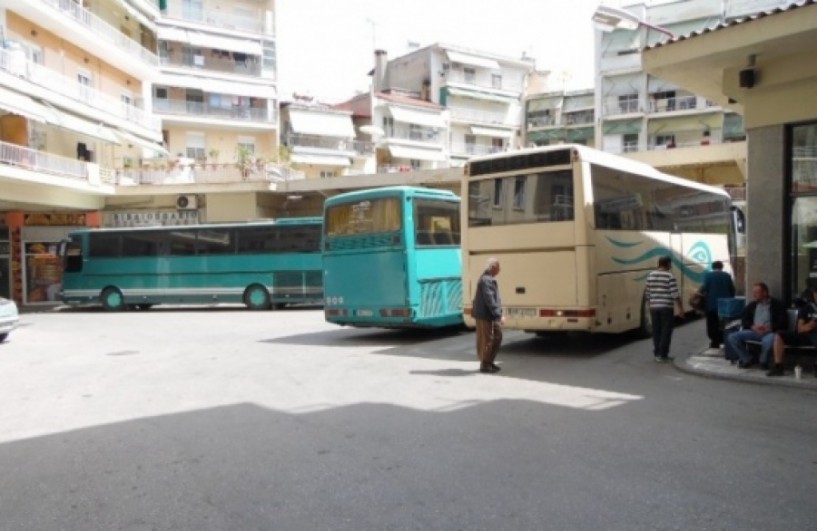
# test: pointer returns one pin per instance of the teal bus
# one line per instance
(260, 264)
(391, 258)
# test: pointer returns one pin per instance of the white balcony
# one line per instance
(93, 27)
(13, 63)
(346, 145)
(470, 150)
(48, 164)
(483, 80)
(260, 23)
(208, 174)
(204, 110)
(470, 115)
(422, 135)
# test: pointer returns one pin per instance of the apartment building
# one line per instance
(555, 117)
(75, 81)
(481, 92)
(655, 120)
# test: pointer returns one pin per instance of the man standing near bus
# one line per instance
(487, 311)
(662, 295)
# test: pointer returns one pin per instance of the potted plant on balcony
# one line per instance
(243, 160)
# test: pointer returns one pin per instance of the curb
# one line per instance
(684, 366)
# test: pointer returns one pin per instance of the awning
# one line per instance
(478, 95)
(135, 13)
(82, 126)
(216, 42)
(402, 152)
(684, 123)
(320, 160)
(128, 138)
(622, 127)
(317, 123)
(471, 60)
(218, 86)
(580, 133)
(411, 116)
(491, 131)
(24, 106)
(550, 134)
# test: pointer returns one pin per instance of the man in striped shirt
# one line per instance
(662, 295)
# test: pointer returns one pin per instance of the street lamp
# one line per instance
(610, 18)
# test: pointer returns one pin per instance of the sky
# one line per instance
(325, 47)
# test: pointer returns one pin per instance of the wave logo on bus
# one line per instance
(699, 253)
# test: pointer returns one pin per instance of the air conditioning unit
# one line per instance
(187, 202)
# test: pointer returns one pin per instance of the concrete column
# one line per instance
(765, 202)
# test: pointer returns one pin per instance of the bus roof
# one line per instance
(386, 191)
(607, 159)
(260, 222)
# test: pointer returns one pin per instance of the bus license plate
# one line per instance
(521, 312)
(364, 313)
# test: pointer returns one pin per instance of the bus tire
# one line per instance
(645, 328)
(256, 297)
(112, 299)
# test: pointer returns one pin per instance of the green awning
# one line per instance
(550, 134)
(580, 133)
(622, 127)
(684, 123)
(478, 95)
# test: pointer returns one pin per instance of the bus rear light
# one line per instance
(395, 312)
(567, 313)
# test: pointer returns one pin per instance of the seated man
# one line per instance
(805, 334)
(760, 320)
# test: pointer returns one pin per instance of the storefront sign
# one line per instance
(150, 219)
(44, 218)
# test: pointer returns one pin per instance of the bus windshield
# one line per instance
(364, 217)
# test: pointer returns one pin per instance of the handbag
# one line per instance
(698, 302)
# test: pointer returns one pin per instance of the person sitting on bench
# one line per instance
(804, 334)
(761, 318)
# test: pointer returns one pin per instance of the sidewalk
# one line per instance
(711, 363)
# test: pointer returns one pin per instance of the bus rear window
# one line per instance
(437, 223)
(364, 217)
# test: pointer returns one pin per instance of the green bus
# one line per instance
(263, 265)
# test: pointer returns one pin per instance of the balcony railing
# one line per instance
(486, 81)
(541, 121)
(480, 116)
(208, 174)
(681, 103)
(211, 63)
(102, 29)
(255, 24)
(205, 110)
(48, 163)
(613, 106)
(424, 135)
(324, 142)
(465, 148)
(14, 63)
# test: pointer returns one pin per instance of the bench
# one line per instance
(791, 326)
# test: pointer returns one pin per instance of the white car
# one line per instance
(9, 316)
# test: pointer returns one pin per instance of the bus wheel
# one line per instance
(256, 297)
(645, 329)
(112, 300)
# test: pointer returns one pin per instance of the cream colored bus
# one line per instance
(577, 230)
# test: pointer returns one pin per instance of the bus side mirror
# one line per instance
(61, 248)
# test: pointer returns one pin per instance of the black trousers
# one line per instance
(713, 329)
(663, 319)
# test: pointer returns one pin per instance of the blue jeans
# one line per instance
(737, 344)
(663, 320)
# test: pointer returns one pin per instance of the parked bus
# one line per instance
(577, 231)
(391, 258)
(260, 264)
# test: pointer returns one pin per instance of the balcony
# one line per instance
(207, 174)
(541, 121)
(211, 63)
(41, 162)
(13, 63)
(204, 110)
(420, 134)
(483, 81)
(468, 149)
(681, 103)
(99, 28)
(346, 145)
(220, 19)
(465, 114)
(614, 106)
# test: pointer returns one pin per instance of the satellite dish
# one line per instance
(372, 130)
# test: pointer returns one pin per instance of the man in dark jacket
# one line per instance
(717, 284)
(760, 321)
(487, 311)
